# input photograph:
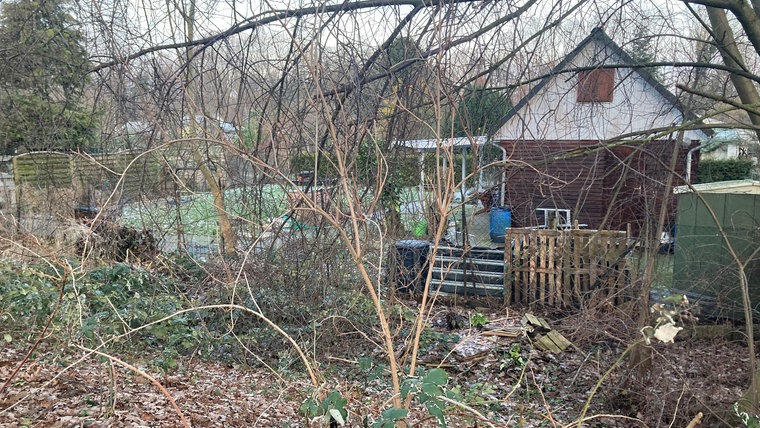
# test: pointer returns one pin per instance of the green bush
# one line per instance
(27, 297)
(711, 170)
(305, 162)
(97, 306)
(313, 301)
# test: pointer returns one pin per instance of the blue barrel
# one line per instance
(501, 218)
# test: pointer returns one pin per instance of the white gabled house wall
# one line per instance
(608, 188)
(553, 112)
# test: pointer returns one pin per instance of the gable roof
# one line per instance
(597, 35)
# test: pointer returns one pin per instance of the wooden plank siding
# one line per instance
(61, 184)
(608, 189)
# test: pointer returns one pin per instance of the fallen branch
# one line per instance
(696, 421)
(153, 380)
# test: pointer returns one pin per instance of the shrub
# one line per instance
(711, 170)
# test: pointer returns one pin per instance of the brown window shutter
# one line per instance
(596, 86)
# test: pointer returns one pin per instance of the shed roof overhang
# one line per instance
(747, 187)
(443, 143)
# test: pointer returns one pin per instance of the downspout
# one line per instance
(503, 171)
(687, 172)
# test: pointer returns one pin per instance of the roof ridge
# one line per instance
(600, 35)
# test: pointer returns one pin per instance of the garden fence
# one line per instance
(564, 267)
(64, 181)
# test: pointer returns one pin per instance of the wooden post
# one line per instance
(552, 269)
(532, 241)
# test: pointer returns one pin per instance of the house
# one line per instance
(728, 143)
(592, 142)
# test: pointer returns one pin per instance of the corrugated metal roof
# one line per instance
(443, 143)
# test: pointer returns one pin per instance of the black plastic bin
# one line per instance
(410, 265)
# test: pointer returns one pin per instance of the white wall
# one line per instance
(555, 114)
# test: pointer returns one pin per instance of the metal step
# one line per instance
(479, 273)
(448, 272)
(458, 288)
(472, 261)
(473, 253)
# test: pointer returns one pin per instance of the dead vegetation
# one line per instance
(490, 354)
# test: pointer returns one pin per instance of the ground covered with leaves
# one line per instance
(166, 358)
(503, 379)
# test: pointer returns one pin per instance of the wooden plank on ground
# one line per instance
(558, 339)
(553, 342)
(505, 332)
(530, 319)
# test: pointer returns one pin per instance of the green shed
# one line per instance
(702, 263)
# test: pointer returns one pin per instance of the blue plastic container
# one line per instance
(501, 218)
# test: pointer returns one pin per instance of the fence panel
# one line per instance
(67, 179)
(562, 268)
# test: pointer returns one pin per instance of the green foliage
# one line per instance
(371, 370)
(478, 320)
(724, 170)
(427, 389)
(513, 358)
(751, 421)
(100, 305)
(401, 50)
(641, 49)
(332, 407)
(389, 417)
(305, 162)
(42, 48)
(479, 110)
(26, 298)
(43, 70)
(31, 122)
(476, 393)
(431, 340)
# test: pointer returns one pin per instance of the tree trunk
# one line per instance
(229, 239)
(726, 43)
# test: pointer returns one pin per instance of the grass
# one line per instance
(198, 214)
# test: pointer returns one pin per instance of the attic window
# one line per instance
(596, 86)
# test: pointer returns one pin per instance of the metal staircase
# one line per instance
(471, 272)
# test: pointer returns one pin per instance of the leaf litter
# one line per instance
(502, 375)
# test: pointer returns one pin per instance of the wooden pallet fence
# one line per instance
(563, 267)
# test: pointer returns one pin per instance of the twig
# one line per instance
(696, 421)
(153, 380)
(627, 418)
(468, 408)
(596, 387)
(543, 399)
